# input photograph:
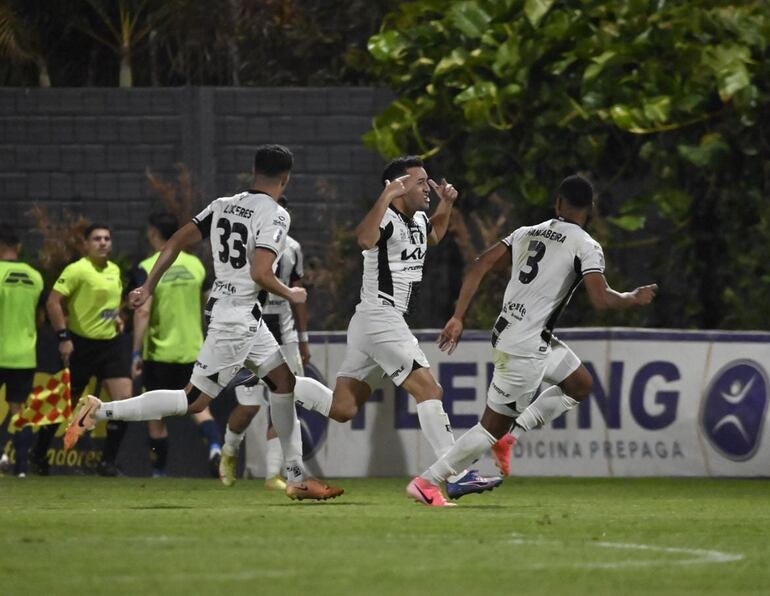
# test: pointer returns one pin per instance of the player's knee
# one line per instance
(343, 409)
(580, 385)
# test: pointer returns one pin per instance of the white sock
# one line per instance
(152, 405)
(437, 429)
(312, 395)
(273, 458)
(232, 441)
(549, 404)
(284, 418)
(466, 450)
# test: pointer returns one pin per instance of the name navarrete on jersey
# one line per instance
(548, 234)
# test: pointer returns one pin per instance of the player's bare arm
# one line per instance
(447, 195)
(603, 297)
(453, 330)
(262, 273)
(186, 236)
(141, 321)
(300, 320)
(368, 231)
(55, 308)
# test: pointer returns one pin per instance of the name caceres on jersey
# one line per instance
(549, 261)
(237, 226)
(276, 310)
(393, 268)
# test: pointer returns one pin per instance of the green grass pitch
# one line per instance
(87, 535)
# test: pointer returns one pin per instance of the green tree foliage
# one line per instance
(665, 104)
(187, 42)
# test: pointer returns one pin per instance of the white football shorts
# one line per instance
(235, 338)
(516, 379)
(380, 339)
(256, 394)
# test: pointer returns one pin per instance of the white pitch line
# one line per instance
(696, 556)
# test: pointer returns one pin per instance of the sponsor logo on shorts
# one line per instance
(397, 372)
(199, 364)
(498, 390)
(734, 408)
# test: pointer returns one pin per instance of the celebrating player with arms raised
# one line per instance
(394, 236)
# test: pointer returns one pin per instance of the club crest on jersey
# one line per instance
(416, 236)
(733, 411)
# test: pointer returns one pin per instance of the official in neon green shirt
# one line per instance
(168, 333)
(90, 336)
(20, 290)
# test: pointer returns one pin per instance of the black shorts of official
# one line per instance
(100, 358)
(18, 383)
(166, 375)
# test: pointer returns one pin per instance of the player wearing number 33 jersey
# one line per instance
(237, 226)
(247, 233)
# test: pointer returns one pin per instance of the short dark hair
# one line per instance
(272, 160)
(96, 226)
(164, 222)
(398, 167)
(577, 191)
(8, 236)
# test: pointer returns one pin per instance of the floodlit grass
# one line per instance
(87, 535)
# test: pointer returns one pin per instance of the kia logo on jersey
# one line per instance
(313, 424)
(733, 412)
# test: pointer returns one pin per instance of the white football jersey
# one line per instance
(277, 310)
(393, 268)
(237, 226)
(549, 262)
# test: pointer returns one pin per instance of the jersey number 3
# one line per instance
(537, 252)
(240, 236)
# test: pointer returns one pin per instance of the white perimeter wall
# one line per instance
(665, 403)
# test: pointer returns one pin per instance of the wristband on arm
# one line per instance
(63, 335)
(302, 335)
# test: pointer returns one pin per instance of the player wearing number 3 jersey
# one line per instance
(248, 232)
(548, 261)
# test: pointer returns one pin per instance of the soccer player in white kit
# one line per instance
(394, 236)
(247, 231)
(549, 261)
(288, 324)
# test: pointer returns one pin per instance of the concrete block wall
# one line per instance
(87, 150)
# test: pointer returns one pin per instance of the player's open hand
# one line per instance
(398, 187)
(645, 294)
(138, 297)
(297, 295)
(445, 191)
(450, 335)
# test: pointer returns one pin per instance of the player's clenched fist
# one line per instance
(297, 295)
(645, 294)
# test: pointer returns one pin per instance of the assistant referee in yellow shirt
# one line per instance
(20, 290)
(90, 339)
